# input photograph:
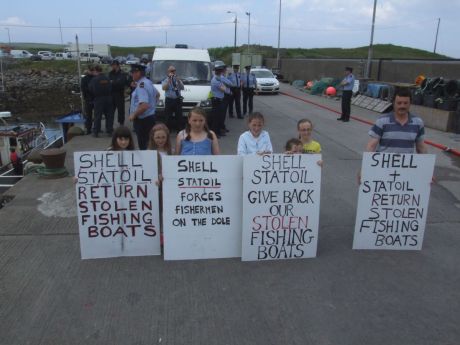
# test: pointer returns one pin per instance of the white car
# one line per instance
(131, 60)
(89, 57)
(46, 55)
(266, 81)
(63, 56)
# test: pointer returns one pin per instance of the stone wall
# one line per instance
(39, 95)
(388, 70)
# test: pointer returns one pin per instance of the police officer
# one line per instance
(101, 88)
(235, 78)
(119, 81)
(219, 86)
(88, 98)
(347, 86)
(143, 103)
(172, 86)
(249, 86)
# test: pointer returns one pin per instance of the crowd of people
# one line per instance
(199, 132)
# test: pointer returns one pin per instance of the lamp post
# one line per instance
(9, 38)
(369, 54)
(249, 27)
(279, 37)
(236, 21)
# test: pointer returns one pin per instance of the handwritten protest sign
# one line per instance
(202, 207)
(393, 201)
(117, 201)
(281, 195)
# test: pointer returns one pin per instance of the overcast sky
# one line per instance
(304, 23)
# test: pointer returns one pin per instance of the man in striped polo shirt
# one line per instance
(398, 131)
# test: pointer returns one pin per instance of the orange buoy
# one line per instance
(330, 91)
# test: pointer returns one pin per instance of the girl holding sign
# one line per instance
(122, 139)
(197, 138)
(256, 139)
(159, 139)
(305, 129)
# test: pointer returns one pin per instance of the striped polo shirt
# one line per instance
(395, 137)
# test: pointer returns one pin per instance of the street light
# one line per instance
(279, 37)
(249, 27)
(369, 53)
(9, 38)
(236, 21)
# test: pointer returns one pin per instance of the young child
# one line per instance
(293, 146)
(255, 140)
(159, 139)
(305, 128)
(196, 138)
(122, 139)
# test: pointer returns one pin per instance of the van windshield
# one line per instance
(191, 72)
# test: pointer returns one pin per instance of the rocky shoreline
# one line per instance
(39, 95)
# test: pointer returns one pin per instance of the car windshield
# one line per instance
(190, 72)
(263, 74)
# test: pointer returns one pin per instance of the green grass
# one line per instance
(137, 51)
(225, 53)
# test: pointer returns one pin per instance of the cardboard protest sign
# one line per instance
(393, 201)
(118, 205)
(281, 197)
(202, 207)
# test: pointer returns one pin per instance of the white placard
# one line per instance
(202, 207)
(393, 201)
(118, 205)
(281, 206)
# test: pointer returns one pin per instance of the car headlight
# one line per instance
(205, 103)
(160, 103)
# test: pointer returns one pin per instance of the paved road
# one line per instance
(49, 296)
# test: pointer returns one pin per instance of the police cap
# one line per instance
(220, 67)
(137, 67)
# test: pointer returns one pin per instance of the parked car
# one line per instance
(20, 54)
(131, 59)
(266, 81)
(106, 59)
(35, 57)
(90, 57)
(46, 55)
(63, 56)
(121, 59)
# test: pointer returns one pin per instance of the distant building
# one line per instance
(100, 49)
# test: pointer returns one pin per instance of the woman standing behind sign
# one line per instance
(197, 138)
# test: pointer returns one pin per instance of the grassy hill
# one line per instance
(379, 51)
(225, 53)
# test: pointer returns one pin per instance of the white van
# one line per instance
(90, 57)
(193, 67)
(20, 54)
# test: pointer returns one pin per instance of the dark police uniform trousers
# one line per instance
(248, 95)
(217, 116)
(174, 106)
(101, 88)
(236, 98)
(346, 104)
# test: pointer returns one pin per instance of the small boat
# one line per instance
(24, 138)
